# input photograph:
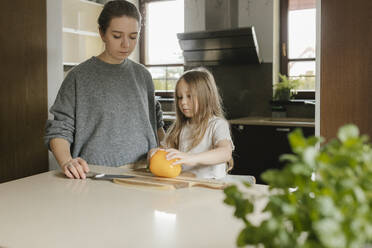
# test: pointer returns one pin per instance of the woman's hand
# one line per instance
(75, 168)
(183, 157)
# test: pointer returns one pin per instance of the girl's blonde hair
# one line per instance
(203, 89)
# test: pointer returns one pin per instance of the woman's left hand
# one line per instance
(183, 157)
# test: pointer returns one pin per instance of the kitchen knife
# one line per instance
(103, 176)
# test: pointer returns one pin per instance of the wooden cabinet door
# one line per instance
(345, 66)
(23, 89)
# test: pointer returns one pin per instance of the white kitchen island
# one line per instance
(49, 210)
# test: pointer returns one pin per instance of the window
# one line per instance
(298, 39)
(160, 50)
(165, 77)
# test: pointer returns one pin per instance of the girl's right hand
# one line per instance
(182, 157)
(75, 168)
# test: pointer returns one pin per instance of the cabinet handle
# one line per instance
(241, 127)
(284, 49)
(280, 129)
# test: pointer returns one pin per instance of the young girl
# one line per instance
(200, 136)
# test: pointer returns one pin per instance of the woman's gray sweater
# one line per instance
(107, 112)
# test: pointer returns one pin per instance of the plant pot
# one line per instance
(282, 95)
(278, 111)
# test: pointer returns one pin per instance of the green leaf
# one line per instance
(297, 140)
(289, 158)
(235, 198)
(332, 209)
(330, 233)
(348, 132)
(310, 154)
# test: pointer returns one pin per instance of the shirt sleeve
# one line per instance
(221, 131)
(159, 115)
(63, 109)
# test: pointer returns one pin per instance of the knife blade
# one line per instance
(103, 176)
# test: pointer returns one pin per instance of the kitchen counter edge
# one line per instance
(268, 121)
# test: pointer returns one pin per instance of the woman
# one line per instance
(105, 112)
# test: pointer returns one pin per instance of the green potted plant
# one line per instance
(321, 198)
(285, 89)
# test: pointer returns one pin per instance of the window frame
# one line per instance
(284, 60)
(142, 43)
(142, 9)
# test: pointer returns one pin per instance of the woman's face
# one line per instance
(120, 38)
(184, 100)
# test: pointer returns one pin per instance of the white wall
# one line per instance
(54, 57)
(317, 63)
(194, 15)
(259, 13)
(135, 54)
(276, 39)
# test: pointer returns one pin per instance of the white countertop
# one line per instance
(49, 210)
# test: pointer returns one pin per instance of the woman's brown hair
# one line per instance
(117, 8)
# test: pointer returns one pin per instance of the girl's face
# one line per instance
(120, 38)
(184, 100)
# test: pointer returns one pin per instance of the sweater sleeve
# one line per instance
(63, 109)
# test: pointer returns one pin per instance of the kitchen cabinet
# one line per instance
(345, 69)
(81, 39)
(258, 147)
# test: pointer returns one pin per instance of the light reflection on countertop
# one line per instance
(165, 225)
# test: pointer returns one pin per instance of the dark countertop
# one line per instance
(268, 121)
(261, 121)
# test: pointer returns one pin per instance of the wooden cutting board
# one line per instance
(146, 179)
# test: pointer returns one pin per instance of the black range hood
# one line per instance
(219, 47)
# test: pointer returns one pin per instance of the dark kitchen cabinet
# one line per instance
(258, 147)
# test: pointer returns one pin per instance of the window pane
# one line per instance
(301, 33)
(305, 71)
(165, 78)
(164, 21)
(307, 83)
(301, 68)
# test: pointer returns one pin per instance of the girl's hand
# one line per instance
(75, 168)
(152, 152)
(183, 157)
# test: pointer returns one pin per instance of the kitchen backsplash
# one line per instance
(246, 91)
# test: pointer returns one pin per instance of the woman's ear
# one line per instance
(102, 35)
